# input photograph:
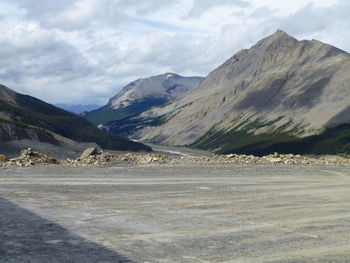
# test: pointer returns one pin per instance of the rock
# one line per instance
(29, 157)
(274, 160)
(27, 152)
(88, 152)
(3, 158)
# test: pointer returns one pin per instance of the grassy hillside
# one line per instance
(105, 114)
(35, 112)
(331, 141)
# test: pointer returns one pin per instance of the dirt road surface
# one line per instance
(207, 213)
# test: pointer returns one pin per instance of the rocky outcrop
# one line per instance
(278, 86)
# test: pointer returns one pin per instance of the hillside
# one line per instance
(140, 95)
(25, 117)
(280, 89)
(78, 108)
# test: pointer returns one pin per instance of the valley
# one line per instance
(174, 131)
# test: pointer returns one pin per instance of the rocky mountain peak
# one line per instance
(280, 35)
(142, 94)
(168, 85)
(279, 86)
(278, 40)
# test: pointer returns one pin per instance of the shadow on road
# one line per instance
(27, 237)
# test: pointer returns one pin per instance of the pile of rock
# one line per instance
(94, 157)
(29, 157)
(275, 158)
(287, 159)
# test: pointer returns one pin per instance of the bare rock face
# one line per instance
(88, 152)
(168, 86)
(280, 85)
(139, 96)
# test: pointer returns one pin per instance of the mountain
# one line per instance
(23, 117)
(78, 108)
(275, 94)
(141, 95)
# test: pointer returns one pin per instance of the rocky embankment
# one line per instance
(93, 157)
(28, 158)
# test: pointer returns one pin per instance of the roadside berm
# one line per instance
(95, 157)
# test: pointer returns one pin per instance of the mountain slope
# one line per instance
(278, 87)
(141, 95)
(78, 108)
(31, 115)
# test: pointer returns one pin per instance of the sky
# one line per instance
(85, 51)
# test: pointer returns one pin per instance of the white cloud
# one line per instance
(84, 51)
(202, 6)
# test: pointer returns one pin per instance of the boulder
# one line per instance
(88, 152)
(27, 152)
(3, 158)
(274, 160)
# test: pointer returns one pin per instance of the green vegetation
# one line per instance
(32, 111)
(214, 139)
(243, 141)
(105, 115)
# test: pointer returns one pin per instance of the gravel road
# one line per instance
(202, 213)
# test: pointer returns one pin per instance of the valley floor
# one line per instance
(174, 213)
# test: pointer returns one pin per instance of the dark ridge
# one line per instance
(31, 111)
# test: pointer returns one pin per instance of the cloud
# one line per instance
(33, 55)
(72, 15)
(201, 6)
(85, 51)
(310, 19)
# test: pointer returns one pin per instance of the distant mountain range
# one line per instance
(23, 117)
(141, 95)
(280, 95)
(78, 108)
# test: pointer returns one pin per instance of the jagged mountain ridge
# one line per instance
(278, 86)
(23, 117)
(140, 95)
